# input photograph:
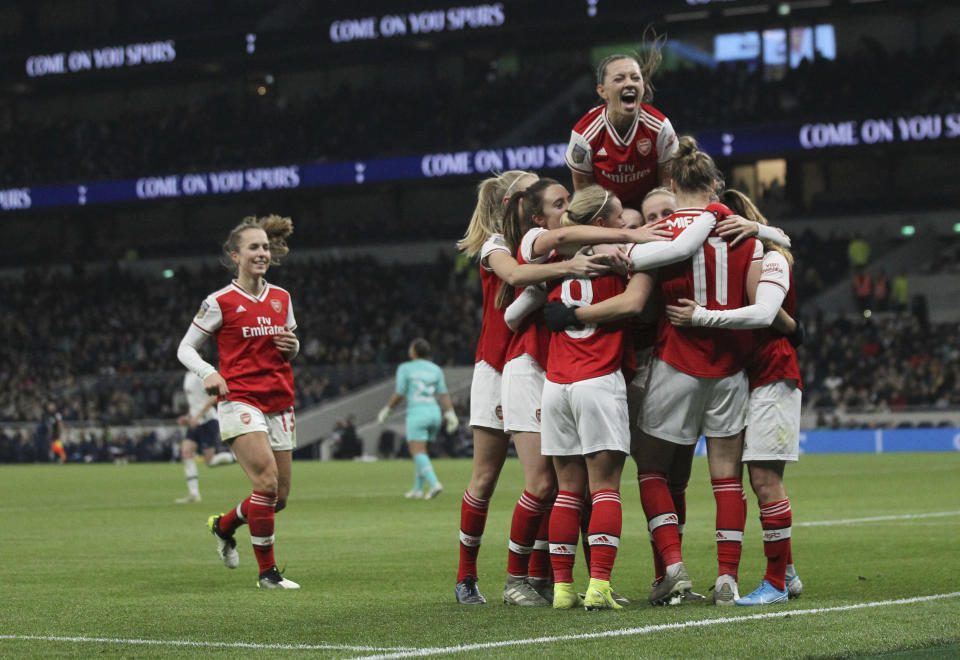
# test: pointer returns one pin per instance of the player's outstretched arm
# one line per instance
(516, 274)
(736, 229)
(767, 296)
(628, 303)
(654, 255)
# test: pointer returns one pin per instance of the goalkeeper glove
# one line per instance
(451, 422)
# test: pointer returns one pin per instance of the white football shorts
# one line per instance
(773, 423)
(237, 418)
(585, 417)
(522, 390)
(485, 408)
(637, 388)
(680, 408)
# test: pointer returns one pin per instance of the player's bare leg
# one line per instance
(261, 464)
(776, 519)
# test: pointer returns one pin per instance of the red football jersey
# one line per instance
(715, 277)
(773, 358)
(533, 335)
(244, 325)
(595, 349)
(625, 166)
(494, 334)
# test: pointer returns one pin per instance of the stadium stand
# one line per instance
(103, 340)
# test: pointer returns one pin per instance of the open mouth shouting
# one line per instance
(629, 99)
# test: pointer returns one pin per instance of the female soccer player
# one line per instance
(773, 418)
(697, 385)
(421, 382)
(536, 209)
(585, 426)
(484, 240)
(624, 144)
(253, 323)
(560, 315)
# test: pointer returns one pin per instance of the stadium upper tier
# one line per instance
(227, 122)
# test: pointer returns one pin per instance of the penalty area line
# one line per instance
(224, 645)
(853, 521)
(643, 630)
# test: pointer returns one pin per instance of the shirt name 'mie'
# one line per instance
(265, 328)
(680, 222)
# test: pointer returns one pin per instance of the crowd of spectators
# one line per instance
(20, 445)
(105, 343)
(479, 107)
(891, 362)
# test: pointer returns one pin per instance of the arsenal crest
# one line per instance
(276, 305)
(499, 413)
(644, 145)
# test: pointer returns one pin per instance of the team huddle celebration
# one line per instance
(650, 306)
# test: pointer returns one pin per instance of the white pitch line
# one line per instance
(186, 642)
(419, 653)
(852, 521)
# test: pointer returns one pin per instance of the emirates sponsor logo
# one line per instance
(261, 330)
(644, 145)
(277, 306)
(245, 417)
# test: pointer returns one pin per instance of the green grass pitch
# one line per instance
(100, 561)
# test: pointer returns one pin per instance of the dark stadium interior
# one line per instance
(91, 321)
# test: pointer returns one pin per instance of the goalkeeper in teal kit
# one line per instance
(421, 382)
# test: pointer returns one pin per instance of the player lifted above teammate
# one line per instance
(624, 144)
(253, 323)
